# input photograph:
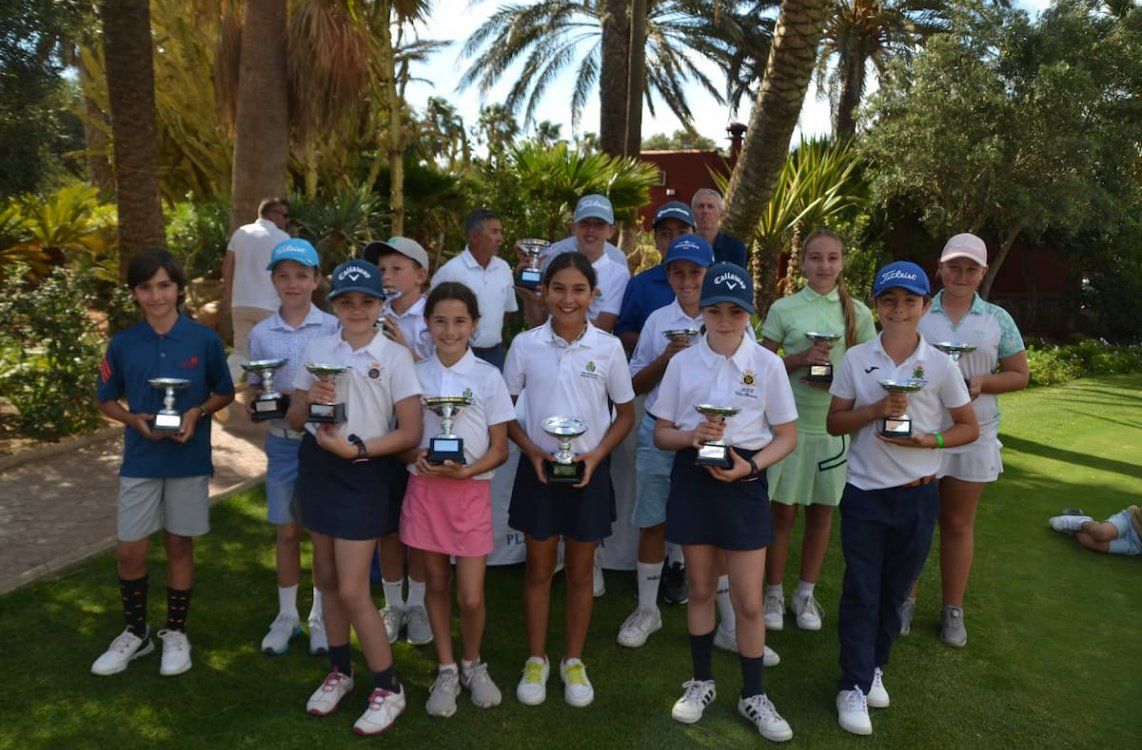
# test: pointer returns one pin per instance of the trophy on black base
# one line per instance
(530, 276)
(326, 413)
(682, 335)
(821, 373)
(900, 426)
(564, 470)
(168, 420)
(954, 349)
(446, 446)
(269, 404)
(715, 452)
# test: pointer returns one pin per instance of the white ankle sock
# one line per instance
(649, 575)
(674, 553)
(804, 588)
(287, 600)
(394, 594)
(725, 608)
(415, 594)
(316, 612)
(775, 591)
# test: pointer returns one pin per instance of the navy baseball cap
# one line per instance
(727, 282)
(357, 275)
(675, 210)
(901, 274)
(691, 247)
(295, 249)
(595, 207)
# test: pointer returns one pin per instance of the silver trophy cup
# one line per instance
(682, 335)
(954, 349)
(565, 469)
(446, 446)
(715, 452)
(269, 404)
(530, 276)
(900, 426)
(326, 413)
(821, 373)
(168, 420)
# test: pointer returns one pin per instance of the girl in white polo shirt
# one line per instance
(715, 509)
(998, 364)
(448, 507)
(566, 368)
(889, 505)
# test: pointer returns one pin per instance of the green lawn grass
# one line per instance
(1053, 658)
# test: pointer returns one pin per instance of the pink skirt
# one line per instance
(450, 516)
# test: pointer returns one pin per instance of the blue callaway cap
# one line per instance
(903, 274)
(295, 249)
(691, 247)
(727, 282)
(675, 210)
(595, 207)
(357, 275)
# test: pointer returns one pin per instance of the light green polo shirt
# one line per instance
(789, 319)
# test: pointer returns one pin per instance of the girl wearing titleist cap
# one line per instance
(998, 364)
(565, 368)
(343, 486)
(714, 509)
(814, 474)
(889, 505)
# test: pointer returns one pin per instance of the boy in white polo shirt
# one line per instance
(890, 503)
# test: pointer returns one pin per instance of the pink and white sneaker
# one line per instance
(384, 708)
(325, 699)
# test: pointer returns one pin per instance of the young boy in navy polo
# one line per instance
(890, 502)
(164, 481)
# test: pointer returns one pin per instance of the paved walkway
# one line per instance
(57, 510)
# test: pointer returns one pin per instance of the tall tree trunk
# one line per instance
(792, 57)
(261, 126)
(636, 77)
(395, 145)
(613, 77)
(997, 261)
(131, 92)
(96, 143)
(852, 86)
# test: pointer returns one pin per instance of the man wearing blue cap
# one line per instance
(890, 503)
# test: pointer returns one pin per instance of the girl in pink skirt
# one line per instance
(447, 508)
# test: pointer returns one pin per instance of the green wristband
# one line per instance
(939, 439)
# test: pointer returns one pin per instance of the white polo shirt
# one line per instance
(564, 379)
(494, 287)
(479, 381)
(873, 463)
(273, 338)
(380, 374)
(751, 379)
(612, 281)
(252, 245)
(652, 341)
(413, 327)
(996, 337)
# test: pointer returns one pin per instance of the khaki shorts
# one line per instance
(180, 506)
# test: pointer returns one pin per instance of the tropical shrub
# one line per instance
(1052, 365)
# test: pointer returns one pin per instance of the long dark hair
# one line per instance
(574, 260)
(452, 290)
(146, 263)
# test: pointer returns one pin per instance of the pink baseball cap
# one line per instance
(965, 245)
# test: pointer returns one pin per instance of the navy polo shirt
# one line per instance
(729, 249)
(189, 350)
(645, 293)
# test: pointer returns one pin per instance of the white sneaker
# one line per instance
(696, 695)
(807, 611)
(774, 605)
(577, 688)
(394, 618)
(325, 699)
(283, 629)
(639, 626)
(176, 653)
(442, 696)
(417, 629)
(761, 711)
(727, 640)
(532, 687)
(1069, 524)
(599, 583)
(318, 641)
(907, 612)
(877, 696)
(770, 658)
(384, 708)
(484, 692)
(852, 712)
(126, 647)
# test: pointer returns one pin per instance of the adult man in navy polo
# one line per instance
(650, 290)
(707, 205)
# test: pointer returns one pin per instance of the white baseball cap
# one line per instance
(965, 245)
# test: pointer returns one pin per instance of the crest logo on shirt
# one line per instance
(918, 372)
(468, 393)
(747, 377)
(375, 371)
(188, 364)
(591, 366)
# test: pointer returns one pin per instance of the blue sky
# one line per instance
(455, 19)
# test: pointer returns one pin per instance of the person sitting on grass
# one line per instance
(1121, 534)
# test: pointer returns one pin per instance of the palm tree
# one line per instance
(131, 89)
(859, 32)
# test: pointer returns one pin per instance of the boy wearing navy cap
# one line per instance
(294, 271)
(890, 503)
(164, 480)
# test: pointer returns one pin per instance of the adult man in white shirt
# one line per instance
(246, 284)
(490, 277)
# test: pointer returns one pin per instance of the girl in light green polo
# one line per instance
(814, 474)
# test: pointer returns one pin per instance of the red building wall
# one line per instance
(683, 174)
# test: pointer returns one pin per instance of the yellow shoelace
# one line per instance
(576, 674)
(533, 672)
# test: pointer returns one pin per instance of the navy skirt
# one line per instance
(397, 479)
(703, 510)
(546, 510)
(340, 498)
